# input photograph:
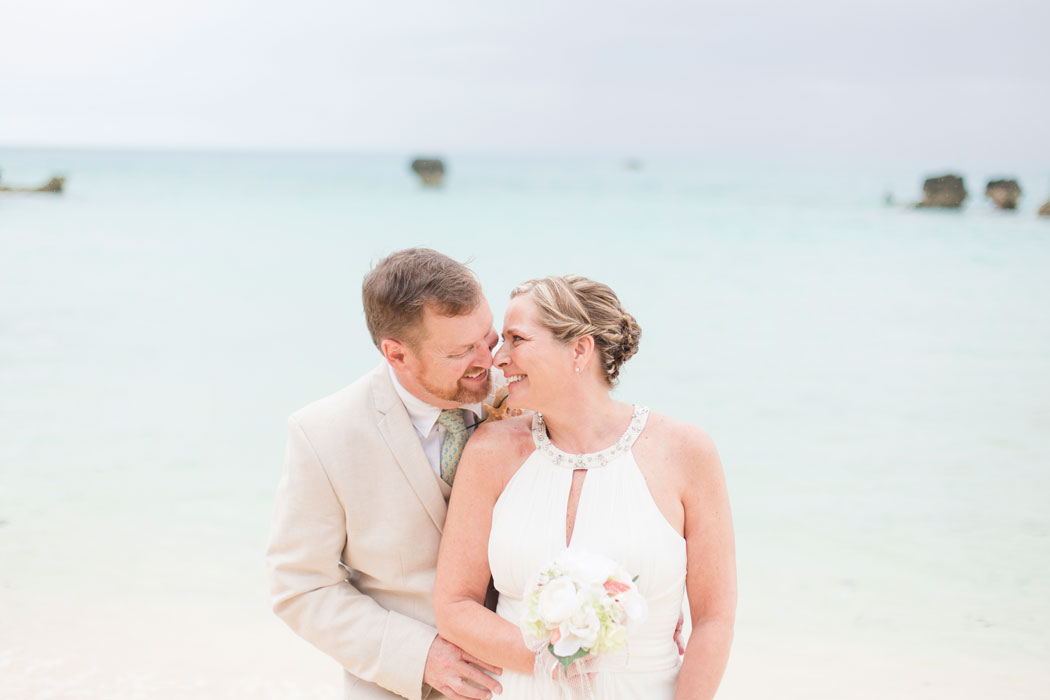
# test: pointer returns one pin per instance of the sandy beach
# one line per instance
(166, 652)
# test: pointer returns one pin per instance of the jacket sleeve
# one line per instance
(312, 593)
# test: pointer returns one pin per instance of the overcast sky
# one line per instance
(922, 77)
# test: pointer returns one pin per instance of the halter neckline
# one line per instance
(589, 460)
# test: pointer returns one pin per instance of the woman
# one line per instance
(597, 474)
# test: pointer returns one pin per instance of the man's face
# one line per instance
(450, 365)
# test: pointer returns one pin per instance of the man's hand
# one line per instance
(458, 675)
(678, 633)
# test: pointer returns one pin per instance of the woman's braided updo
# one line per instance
(572, 306)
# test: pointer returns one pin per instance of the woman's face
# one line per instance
(535, 364)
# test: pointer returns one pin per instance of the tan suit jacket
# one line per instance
(355, 538)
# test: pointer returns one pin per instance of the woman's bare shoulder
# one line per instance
(684, 444)
(502, 445)
(501, 433)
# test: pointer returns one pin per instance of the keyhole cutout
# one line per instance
(578, 475)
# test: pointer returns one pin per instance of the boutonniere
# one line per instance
(501, 408)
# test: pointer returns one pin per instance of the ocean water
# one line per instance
(877, 380)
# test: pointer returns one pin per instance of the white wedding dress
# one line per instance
(616, 518)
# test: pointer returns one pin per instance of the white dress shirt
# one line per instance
(424, 419)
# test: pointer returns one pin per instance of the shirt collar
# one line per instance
(423, 415)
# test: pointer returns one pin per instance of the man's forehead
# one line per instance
(446, 332)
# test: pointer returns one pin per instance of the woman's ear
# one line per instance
(582, 351)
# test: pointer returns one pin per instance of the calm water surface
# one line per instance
(877, 380)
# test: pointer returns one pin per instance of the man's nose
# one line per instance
(483, 355)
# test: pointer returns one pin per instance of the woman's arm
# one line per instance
(710, 569)
(489, 460)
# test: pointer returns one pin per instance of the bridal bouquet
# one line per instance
(579, 605)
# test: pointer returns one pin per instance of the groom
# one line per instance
(367, 477)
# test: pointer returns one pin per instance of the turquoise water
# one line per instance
(877, 380)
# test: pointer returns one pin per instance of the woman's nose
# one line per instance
(500, 358)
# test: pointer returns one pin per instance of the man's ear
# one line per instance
(394, 352)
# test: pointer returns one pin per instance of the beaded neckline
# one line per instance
(589, 460)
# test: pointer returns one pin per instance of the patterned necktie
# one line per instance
(452, 446)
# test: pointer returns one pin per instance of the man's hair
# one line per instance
(400, 287)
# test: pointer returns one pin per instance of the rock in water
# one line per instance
(943, 191)
(54, 186)
(1045, 209)
(1003, 193)
(430, 170)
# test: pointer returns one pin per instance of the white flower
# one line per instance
(557, 601)
(586, 567)
(634, 604)
(568, 643)
(585, 625)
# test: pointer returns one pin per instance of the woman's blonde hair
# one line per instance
(572, 306)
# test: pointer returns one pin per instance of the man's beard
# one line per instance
(460, 394)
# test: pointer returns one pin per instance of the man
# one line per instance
(368, 473)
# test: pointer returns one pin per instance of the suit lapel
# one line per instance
(403, 441)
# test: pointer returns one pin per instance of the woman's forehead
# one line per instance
(521, 309)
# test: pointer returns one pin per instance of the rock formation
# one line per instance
(1003, 193)
(430, 170)
(54, 185)
(943, 191)
(1045, 209)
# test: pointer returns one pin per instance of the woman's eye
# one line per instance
(516, 338)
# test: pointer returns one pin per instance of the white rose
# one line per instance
(568, 643)
(585, 625)
(557, 601)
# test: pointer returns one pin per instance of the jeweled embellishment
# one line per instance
(593, 459)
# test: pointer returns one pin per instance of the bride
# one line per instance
(589, 472)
